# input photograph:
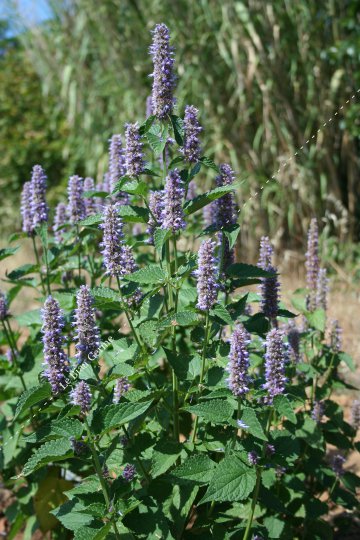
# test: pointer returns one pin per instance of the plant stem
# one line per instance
(98, 470)
(206, 339)
(79, 253)
(257, 485)
(137, 339)
(175, 382)
(38, 263)
(13, 348)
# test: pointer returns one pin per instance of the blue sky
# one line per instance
(33, 11)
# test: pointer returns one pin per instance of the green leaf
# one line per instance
(217, 411)
(208, 162)
(90, 533)
(186, 366)
(206, 198)
(152, 274)
(246, 271)
(113, 416)
(249, 417)
(160, 237)
(232, 481)
(317, 319)
(43, 233)
(144, 128)
(232, 233)
(183, 318)
(165, 455)
(7, 252)
(32, 396)
(30, 318)
(56, 450)
(178, 127)
(64, 427)
(95, 219)
(156, 142)
(344, 357)
(274, 526)
(176, 161)
(106, 298)
(71, 515)
(284, 408)
(220, 312)
(197, 469)
(133, 214)
(22, 271)
(131, 185)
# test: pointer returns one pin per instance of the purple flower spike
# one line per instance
(129, 472)
(238, 366)
(337, 464)
(293, 336)
(226, 210)
(312, 263)
(117, 166)
(128, 267)
(39, 207)
(275, 359)
(134, 157)
(112, 241)
(355, 414)
(76, 202)
(270, 285)
(87, 333)
(209, 214)
(59, 220)
(318, 411)
(26, 209)
(335, 336)
(156, 205)
(90, 202)
(207, 287)
(149, 107)
(162, 53)
(122, 386)
(4, 311)
(81, 395)
(253, 458)
(192, 191)
(322, 289)
(192, 130)
(173, 214)
(106, 183)
(56, 362)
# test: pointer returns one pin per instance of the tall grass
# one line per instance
(273, 72)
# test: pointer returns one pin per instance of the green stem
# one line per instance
(203, 361)
(257, 485)
(79, 252)
(98, 470)
(13, 348)
(137, 339)
(38, 263)
(175, 382)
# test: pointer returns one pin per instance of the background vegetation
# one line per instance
(272, 72)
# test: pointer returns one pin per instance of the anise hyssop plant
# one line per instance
(151, 394)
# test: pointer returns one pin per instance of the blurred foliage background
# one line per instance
(266, 76)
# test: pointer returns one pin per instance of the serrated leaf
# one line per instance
(165, 455)
(157, 143)
(176, 161)
(232, 234)
(91, 533)
(133, 214)
(208, 162)
(91, 220)
(317, 319)
(249, 417)
(7, 252)
(30, 318)
(186, 366)
(232, 481)
(160, 237)
(22, 271)
(217, 411)
(245, 271)
(144, 128)
(71, 515)
(113, 416)
(56, 450)
(178, 127)
(149, 275)
(274, 526)
(197, 469)
(284, 408)
(221, 313)
(183, 318)
(206, 198)
(32, 396)
(64, 427)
